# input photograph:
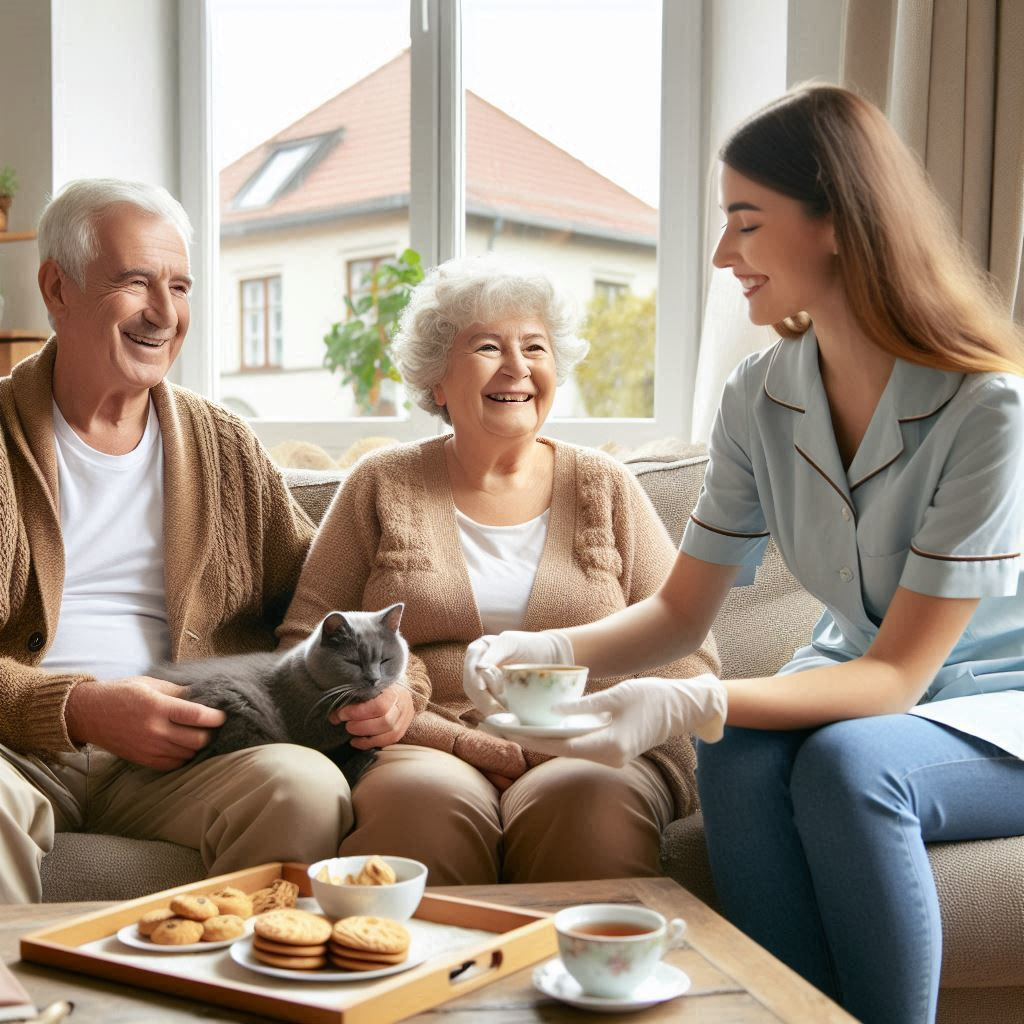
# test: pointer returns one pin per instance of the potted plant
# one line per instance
(8, 186)
(358, 347)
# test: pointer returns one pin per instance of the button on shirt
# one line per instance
(933, 501)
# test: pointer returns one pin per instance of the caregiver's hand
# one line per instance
(480, 676)
(644, 713)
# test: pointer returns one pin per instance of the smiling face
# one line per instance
(500, 378)
(784, 258)
(125, 328)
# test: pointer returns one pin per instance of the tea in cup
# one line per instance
(532, 691)
(611, 949)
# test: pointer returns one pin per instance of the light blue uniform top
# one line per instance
(933, 501)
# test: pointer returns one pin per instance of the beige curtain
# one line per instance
(950, 76)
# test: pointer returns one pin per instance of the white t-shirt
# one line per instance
(502, 563)
(113, 613)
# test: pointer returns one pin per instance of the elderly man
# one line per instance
(138, 522)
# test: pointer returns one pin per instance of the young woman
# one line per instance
(880, 444)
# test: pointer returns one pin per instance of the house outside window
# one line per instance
(262, 333)
(356, 274)
(610, 291)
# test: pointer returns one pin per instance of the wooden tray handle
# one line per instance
(474, 970)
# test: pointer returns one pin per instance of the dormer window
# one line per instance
(282, 171)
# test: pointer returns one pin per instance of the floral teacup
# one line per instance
(531, 691)
(611, 949)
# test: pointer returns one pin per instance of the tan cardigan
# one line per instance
(391, 535)
(234, 544)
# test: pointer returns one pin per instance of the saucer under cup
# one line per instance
(532, 691)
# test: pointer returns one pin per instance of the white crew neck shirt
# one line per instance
(113, 613)
(502, 563)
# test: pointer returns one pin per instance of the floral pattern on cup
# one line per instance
(531, 691)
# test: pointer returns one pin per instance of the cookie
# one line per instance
(177, 931)
(276, 896)
(230, 900)
(293, 963)
(371, 934)
(293, 927)
(195, 908)
(347, 964)
(223, 926)
(282, 949)
(376, 872)
(148, 922)
(381, 959)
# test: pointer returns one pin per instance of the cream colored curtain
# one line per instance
(950, 76)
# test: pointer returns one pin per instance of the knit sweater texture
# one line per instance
(234, 544)
(390, 534)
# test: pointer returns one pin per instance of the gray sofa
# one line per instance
(981, 884)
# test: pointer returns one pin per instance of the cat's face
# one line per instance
(355, 655)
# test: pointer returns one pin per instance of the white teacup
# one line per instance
(531, 691)
(611, 949)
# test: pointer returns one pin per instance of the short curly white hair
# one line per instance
(479, 289)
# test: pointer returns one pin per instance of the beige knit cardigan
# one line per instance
(390, 534)
(234, 544)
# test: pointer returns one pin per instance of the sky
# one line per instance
(585, 74)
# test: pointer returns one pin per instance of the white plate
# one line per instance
(130, 936)
(666, 982)
(241, 953)
(574, 725)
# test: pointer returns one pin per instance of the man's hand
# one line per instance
(141, 719)
(378, 722)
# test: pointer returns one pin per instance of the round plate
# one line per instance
(574, 725)
(241, 953)
(666, 982)
(130, 936)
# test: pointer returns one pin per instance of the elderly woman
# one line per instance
(486, 528)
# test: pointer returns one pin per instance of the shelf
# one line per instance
(17, 236)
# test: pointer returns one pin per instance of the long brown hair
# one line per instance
(910, 282)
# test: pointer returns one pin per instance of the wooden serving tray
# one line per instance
(517, 938)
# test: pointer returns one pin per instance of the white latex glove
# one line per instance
(643, 713)
(480, 676)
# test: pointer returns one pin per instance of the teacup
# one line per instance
(532, 691)
(611, 949)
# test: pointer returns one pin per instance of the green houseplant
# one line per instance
(8, 186)
(358, 347)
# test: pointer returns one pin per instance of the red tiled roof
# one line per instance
(510, 170)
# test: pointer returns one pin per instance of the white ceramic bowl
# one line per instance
(398, 901)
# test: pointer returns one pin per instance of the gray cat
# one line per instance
(272, 697)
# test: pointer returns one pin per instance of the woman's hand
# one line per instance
(480, 676)
(642, 713)
(378, 722)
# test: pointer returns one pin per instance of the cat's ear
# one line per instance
(335, 629)
(392, 616)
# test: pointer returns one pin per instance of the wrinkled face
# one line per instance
(783, 258)
(500, 378)
(126, 327)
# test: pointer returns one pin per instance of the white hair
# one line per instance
(472, 290)
(67, 229)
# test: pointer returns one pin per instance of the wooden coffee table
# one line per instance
(733, 978)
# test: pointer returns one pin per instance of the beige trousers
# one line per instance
(276, 802)
(565, 819)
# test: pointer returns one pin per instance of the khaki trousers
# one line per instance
(565, 819)
(275, 802)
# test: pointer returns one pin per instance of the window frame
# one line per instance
(437, 216)
(266, 309)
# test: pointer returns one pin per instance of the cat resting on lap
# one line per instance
(285, 697)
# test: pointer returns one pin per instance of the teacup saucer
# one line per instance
(666, 982)
(508, 725)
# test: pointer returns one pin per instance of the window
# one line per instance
(357, 274)
(608, 292)
(262, 334)
(386, 126)
(275, 175)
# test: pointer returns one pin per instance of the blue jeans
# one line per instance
(817, 837)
